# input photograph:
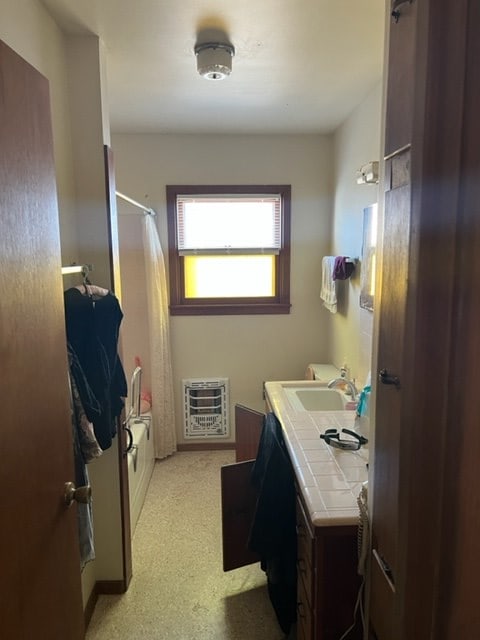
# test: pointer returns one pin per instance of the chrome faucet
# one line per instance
(352, 390)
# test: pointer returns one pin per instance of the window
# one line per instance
(229, 249)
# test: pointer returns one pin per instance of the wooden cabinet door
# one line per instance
(40, 589)
(239, 500)
(248, 428)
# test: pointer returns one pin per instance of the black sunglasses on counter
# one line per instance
(333, 438)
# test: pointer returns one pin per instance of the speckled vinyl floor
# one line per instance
(179, 590)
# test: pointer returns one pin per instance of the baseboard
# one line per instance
(102, 587)
(110, 587)
(205, 446)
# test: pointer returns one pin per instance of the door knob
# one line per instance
(80, 494)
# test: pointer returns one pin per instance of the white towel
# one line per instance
(328, 293)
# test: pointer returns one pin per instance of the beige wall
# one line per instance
(356, 142)
(29, 30)
(90, 131)
(251, 349)
(246, 349)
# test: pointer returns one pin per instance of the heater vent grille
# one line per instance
(206, 408)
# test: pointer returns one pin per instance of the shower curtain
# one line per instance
(163, 413)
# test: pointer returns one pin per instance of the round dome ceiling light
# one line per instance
(214, 60)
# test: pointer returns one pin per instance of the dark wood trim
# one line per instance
(236, 189)
(203, 308)
(124, 502)
(102, 587)
(121, 440)
(206, 446)
(110, 587)
(181, 306)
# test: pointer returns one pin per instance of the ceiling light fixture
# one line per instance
(214, 60)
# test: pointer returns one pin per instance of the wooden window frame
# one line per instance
(182, 306)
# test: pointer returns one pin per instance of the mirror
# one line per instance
(369, 248)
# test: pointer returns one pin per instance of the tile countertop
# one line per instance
(330, 478)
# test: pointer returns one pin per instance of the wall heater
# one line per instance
(206, 408)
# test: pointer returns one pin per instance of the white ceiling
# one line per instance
(300, 66)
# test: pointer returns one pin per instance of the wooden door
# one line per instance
(40, 592)
(440, 448)
(435, 453)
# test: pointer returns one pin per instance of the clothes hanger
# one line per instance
(89, 289)
(92, 290)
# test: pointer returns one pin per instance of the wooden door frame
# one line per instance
(113, 250)
(112, 587)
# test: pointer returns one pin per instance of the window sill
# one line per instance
(225, 309)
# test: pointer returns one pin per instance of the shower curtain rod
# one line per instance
(150, 212)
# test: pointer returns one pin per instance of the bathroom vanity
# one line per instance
(328, 481)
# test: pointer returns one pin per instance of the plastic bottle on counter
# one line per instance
(363, 407)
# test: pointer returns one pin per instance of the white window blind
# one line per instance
(229, 224)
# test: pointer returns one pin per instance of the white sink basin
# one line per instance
(318, 399)
(310, 396)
